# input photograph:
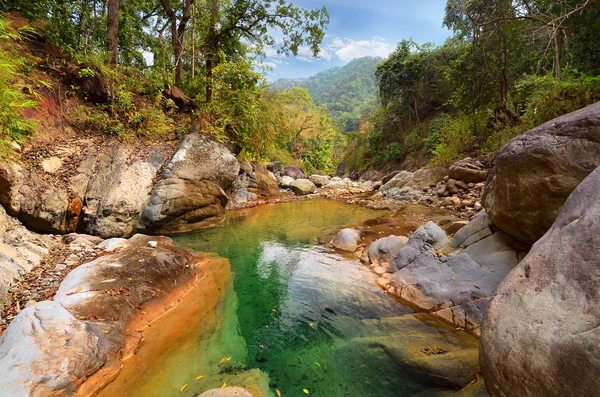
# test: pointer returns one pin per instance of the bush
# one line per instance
(13, 126)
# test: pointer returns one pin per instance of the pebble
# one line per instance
(30, 303)
(61, 266)
(153, 244)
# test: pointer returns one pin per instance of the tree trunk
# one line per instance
(212, 37)
(193, 44)
(113, 30)
(558, 46)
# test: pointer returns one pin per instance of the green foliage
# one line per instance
(346, 92)
(13, 126)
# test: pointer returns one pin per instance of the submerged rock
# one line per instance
(540, 337)
(536, 172)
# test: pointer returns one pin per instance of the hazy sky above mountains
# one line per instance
(361, 28)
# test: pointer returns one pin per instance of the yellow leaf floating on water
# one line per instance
(310, 324)
(105, 331)
(224, 385)
(183, 387)
(262, 346)
(273, 310)
(224, 359)
(278, 392)
(199, 377)
(305, 391)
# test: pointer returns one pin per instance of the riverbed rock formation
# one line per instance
(54, 346)
(540, 336)
(20, 250)
(192, 190)
(536, 172)
(453, 280)
(114, 189)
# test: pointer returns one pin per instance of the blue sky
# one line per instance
(359, 28)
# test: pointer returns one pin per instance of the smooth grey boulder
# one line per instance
(334, 185)
(286, 181)
(47, 352)
(302, 187)
(319, 180)
(536, 172)
(346, 240)
(384, 250)
(294, 172)
(117, 191)
(192, 190)
(427, 238)
(540, 336)
(399, 180)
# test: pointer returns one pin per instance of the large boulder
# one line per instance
(263, 178)
(193, 188)
(293, 172)
(535, 173)
(46, 351)
(319, 180)
(540, 336)
(118, 190)
(302, 187)
(398, 181)
(39, 205)
(285, 181)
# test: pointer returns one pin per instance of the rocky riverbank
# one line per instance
(102, 309)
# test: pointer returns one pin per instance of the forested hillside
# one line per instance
(507, 68)
(155, 70)
(346, 92)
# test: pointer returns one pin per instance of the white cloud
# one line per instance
(347, 49)
(263, 64)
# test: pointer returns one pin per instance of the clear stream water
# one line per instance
(308, 318)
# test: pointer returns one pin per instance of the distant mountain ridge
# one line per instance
(346, 91)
